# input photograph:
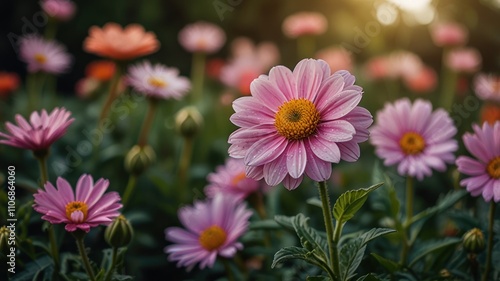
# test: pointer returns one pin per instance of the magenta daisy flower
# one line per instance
(212, 229)
(40, 132)
(484, 171)
(231, 179)
(86, 209)
(298, 122)
(44, 55)
(487, 87)
(202, 37)
(414, 137)
(158, 81)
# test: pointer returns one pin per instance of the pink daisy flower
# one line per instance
(414, 137)
(62, 10)
(86, 209)
(40, 132)
(447, 34)
(212, 229)
(202, 37)
(158, 81)
(44, 55)
(484, 170)
(231, 179)
(304, 23)
(487, 87)
(298, 123)
(466, 60)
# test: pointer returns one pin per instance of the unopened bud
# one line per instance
(119, 233)
(139, 158)
(473, 241)
(188, 121)
(4, 240)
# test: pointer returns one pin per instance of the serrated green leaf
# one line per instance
(350, 202)
(33, 269)
(374, 233)
(284, 221)
(309, 237)
(315, 202)
(317, 278)
(288, 253)
(388, 264)
(444, 203)
(431, 247)
(369, 277)
(264, 225)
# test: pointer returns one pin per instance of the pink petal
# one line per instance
(296, 158)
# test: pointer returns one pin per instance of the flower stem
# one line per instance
(198, 75)
(113, 93)
(44, 175)
(448, 91)
(229, 273)
(332, 238)
(490, 241)
(113, 264)
(409, 216)
(83, 254)
(184, 163)
(128, 190)
(31, 88)
(148, 122)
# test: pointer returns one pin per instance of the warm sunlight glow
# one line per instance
(411, 5)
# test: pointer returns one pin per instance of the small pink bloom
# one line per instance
(378, 68)
(448, 34)
(212, 228)
(422, 82)
(414, 137)
(42, 130)
(62, 10)
(304, 23)
(484, 169)
(337, 58)
(396, 65)
(467, 60)
(298, 123)
(231, 179)
(87, 208)
(487, 87)
(158, 81)
(86, 87)
(44, 55)
(202, 37)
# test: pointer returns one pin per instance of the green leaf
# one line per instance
(388, 264)
(317, 278)
(432, 247)
(444, 203)
(309, 237)
(284, 221)
(311, 257)
(33, 269)
(369, 277)
(374, 233)
(315, 202)
(264, 225)
(350, 202)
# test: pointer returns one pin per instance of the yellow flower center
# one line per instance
(412, 143)
(212, 238)
(494, 168)
(157, 82)
(76, 206)
(239, 177)
(40, 58)
(297, 119)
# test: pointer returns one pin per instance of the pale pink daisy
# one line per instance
(338, 58)
(298, 123)
(414, 137)
(230, 178)
(212, 228)
(40, 132)
(447, 34)
(202, 37)
(62, 10)
(158, 81)
(44, 55)
(87, 208)
(487, 87)
(484, 170)
(304, 23)
(466, 60)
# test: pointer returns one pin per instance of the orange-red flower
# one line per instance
(9, 82)
(102, 70)
(119, 43)
(490, 113)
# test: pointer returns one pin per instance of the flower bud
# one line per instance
(473, 241)
(4, 239)
(138, 159)
(119, 233)
(188, 121)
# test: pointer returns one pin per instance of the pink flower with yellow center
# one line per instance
(40, 132)
(487, 87)
(304, 23)
(484, 169)
(44, 55)
(298, 123)
(158, 81)
(202, 37)
(87, 208)
(212, 228)
(414, 137)
(230, 178)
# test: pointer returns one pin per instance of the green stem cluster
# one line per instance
(489, 251)
(332, 235)
(407, 223)
(85, 259)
